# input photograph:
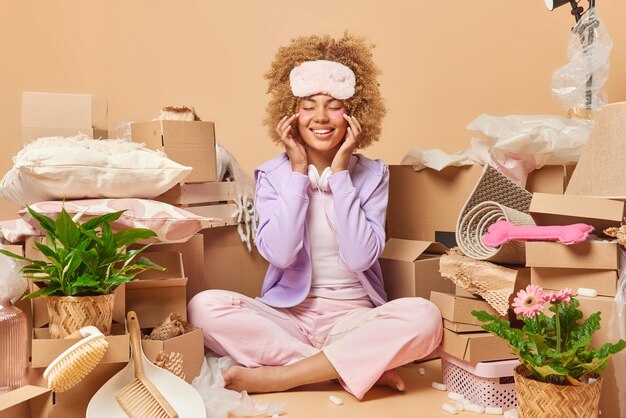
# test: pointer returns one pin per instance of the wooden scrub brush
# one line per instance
(77, 361)
(141, 398)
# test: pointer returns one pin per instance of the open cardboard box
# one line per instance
(593, 254)
(57, 114)
(190, 143)
(459, 309)
(554, 209)
(46, 349)
(190, 345)
(26, 402)
(425, 205)
(475, 347)
(411, 268)
(603, 281)
(153, 295)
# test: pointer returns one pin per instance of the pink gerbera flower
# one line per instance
(561, 296)
(529, 302)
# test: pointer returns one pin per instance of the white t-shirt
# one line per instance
(330, 279)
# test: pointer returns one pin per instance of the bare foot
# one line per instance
(391, 379)
(254, 380)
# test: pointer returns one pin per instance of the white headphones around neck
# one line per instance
(319, 181)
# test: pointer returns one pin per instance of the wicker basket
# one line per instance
(71, 313)
(545, 400)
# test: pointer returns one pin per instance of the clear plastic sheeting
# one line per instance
(219, 401)
(578, 84)
(12, 285)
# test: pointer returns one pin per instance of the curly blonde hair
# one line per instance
(366, 104)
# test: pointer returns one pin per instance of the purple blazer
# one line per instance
(281, 202)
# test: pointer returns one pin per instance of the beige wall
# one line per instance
(444, 61)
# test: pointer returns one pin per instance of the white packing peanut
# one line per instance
(421, 371)
(455, 396)
(448, 408)
(460, 406)
(475, 408)
(438, 386)
(466, 401)
(511, 413)
(335, 399)
(493, 410)
(583, 291)
(275, 416)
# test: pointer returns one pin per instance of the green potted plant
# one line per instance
(558, 374)
(84, 264)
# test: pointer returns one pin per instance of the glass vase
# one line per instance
(13, 347)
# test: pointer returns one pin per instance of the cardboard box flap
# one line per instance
(195, 133)
(20, 395)
(161, 283)
(552, 209)
(601, 170)
(410, 250)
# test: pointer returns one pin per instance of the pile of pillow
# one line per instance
(105, 176)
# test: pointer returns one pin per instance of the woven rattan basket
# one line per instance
(71, 313)
(545, 400)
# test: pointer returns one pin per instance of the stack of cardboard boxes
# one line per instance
(213, 258)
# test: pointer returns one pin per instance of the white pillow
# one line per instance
(78, 167)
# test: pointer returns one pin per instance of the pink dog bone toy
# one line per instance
(503, 231)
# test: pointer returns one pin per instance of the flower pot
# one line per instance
(71, 313)
(544, 400)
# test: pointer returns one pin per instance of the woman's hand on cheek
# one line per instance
(342, 158)
(295, 150)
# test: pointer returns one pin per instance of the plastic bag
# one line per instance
(578, 84)
(219, 401)
(12, 285)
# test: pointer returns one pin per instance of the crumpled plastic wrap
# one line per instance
(219, 401)
(515, 145)
(12, 285)
(588, 52)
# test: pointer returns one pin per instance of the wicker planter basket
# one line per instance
(71, 313)
(545, 400)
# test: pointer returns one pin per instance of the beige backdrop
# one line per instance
(444, 62)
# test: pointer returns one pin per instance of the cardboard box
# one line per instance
(154, 300)
(552, 209)
(190, 345)
(550, 179)
(193, 261)
(186, 194)
(55, 114)
(586, 255)
(73, 402)
(223, 211)
(190, 143)
(229, 265)
(603, 281)
(425, 205)
(171, 261)
(475, 347)
(461, 328)
(459, 309)
(45, 349)
(26, 402)
(411, 268)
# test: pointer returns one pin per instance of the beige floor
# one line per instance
(419, 399)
